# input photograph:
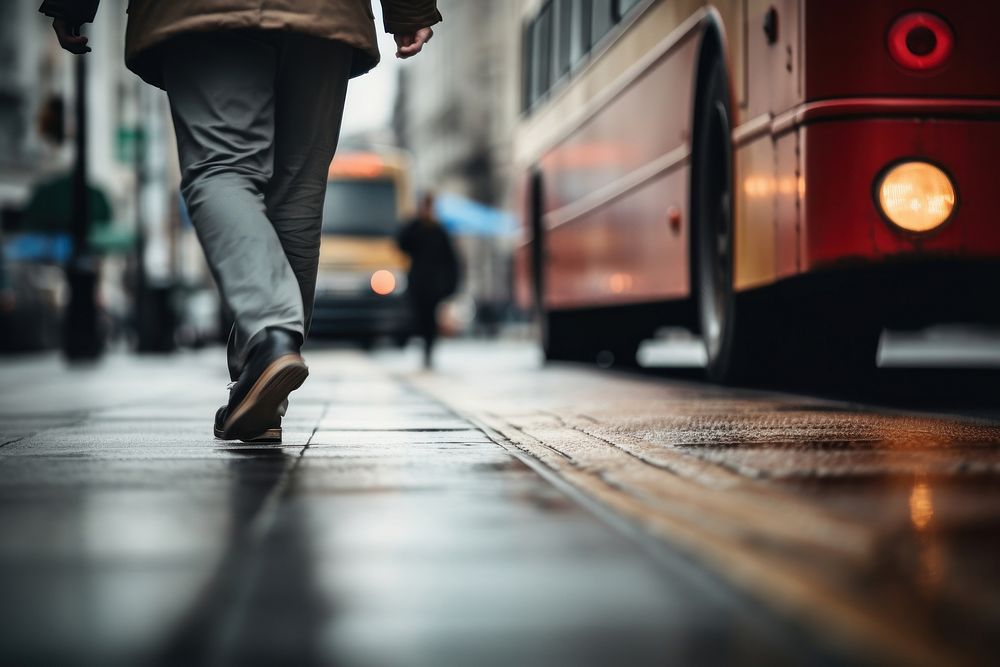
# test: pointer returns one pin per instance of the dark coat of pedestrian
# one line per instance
(434, 271)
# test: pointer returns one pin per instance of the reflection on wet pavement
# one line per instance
(385, 530)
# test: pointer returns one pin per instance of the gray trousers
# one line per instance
(257, 117)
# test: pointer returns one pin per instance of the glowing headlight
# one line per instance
(916, 196)
(383, 282)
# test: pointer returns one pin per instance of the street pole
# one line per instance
(81, 340)
(142, 328)
(155, 320)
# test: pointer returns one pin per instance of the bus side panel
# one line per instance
(766, 170)
(768, 187)
(842, 160)
(644, 123)
(773, 78)
(523, 273)
(522, 276)
(622, 253)
(755, 185)
(788, 206)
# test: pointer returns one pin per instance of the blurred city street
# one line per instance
(495, 511)
(638, 332)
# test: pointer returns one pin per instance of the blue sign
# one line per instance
(464, 217)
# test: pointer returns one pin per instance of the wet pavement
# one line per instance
(491, 512)
(386, 530)
(877, 526)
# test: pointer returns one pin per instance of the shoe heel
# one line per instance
(251, 417)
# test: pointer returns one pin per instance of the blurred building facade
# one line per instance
(130, 153)
(456, 108)
(457, 101)
(33, 68)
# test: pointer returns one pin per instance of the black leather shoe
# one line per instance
(272, 435)
(274, 369)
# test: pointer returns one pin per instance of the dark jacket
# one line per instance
(153, 22)
(434, 265)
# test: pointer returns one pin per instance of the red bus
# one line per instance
(786, 177)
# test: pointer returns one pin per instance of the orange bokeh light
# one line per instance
(383, 282)
(356, 165)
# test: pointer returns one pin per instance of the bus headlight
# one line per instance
(916, 196)
(383, 282)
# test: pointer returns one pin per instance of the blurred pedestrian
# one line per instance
(256, 91)
(434, 271)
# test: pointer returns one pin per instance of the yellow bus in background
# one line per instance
(361, 286)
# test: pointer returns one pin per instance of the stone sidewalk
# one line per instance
(386, 530)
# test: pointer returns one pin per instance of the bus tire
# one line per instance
(755, 336)
(723, 329)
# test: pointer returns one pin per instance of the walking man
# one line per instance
(256, 90)
(434, 271)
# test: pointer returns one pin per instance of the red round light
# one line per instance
(920, 41)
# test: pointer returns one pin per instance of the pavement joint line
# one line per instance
(74, 414)
(464, 417)
(791, 592)
(542, 443)
(258, 528)
(649, 543)
(11, 442)
(653, 545)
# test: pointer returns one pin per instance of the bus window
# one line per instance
(580, 40)
(541, 52)
(526, 65)
(360, 208)
(623, 6)
(564, 29)
(602, 18)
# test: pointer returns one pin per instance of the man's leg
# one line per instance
(311, 84)
(221, 91)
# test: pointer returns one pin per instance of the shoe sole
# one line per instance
(252, 416)
(271, 436)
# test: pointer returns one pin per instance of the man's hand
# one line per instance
(409, 44)
(69, 36)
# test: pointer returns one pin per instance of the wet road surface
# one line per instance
(492, 512)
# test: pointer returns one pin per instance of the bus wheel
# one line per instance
(712, 198)
(750, 337)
